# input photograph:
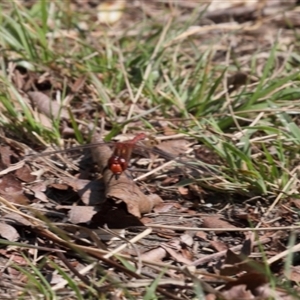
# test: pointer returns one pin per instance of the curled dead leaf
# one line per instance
(8, 232)
(46, 106)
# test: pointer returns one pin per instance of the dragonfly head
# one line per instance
(117, 165)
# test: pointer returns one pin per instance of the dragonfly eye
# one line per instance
(123, 163)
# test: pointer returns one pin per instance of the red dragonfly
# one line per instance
(122, 151)
(119, 160)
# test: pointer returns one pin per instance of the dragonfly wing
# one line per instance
(71, 149)
(193, 164)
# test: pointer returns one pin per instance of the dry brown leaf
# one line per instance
(43, 119)
(293, 273)
(157, 254)
(155, 199)
(238, 292)
(12, 168)
(5, 156)
(217, 5)
(16, 219)
(165, 233)
(218, 245)
(237, 263)
(78, 84)
(179, 251)
(9, 184)
(180, 255)
(248, 245)
(14, 256)
(189, 211)
(210, 297)
(174, 147)
(90, 192)
(19, 79)
(201, 235)
(82, 214)
(184, 191)
(169, 181)
(122, 189)
(215, 222)
(11, 189)
(8, 232)
(250, 216)
(24, 174)
(289, 19)
(14, 144)
(233, 258)
(146, 220)
(66, 130)
(296, 202)
(46, 106)
(16, 197)
(41, 196)
(39, 188)
(163, 207)
(252, 281)
(169, 131)
(60, 186)
(232, 265)
(15, 274)
(56, 278)
(97, 235)
(187, 239)
(110, 12)
(268, 292)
